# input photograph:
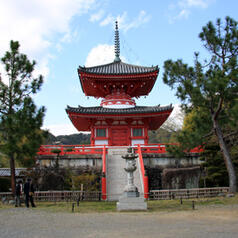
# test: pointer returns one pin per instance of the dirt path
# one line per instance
(218, 222)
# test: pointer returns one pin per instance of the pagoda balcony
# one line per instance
(98, 149)
(118, 100)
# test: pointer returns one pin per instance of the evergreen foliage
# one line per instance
(215, 172)
(5, 184)
(160, 136)
(210, 91)
(20, 119)
(90, 181)
(50, 178)
(214, 167)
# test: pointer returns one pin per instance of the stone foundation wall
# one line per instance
(181, 178)
(71, 161)
(164, 171)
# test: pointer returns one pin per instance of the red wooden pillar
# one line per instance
(144, 175)
(146, 187)
(146, 134)
(109, 135)
(104, 179)
(104, 187)
(92, 136)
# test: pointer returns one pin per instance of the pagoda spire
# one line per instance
(117, 44)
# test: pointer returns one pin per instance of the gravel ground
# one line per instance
(218, 222)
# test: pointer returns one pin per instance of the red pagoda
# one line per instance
(118, 121)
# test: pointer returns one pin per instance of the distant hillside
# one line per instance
(74, 139)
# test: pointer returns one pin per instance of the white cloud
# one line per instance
(124, 22)
(101, 54)
(97, 16)
(141, 19)
(61, 129)
(183, 14)
(182, 9)
(3, 75)
(42, 67)
(194, 3)
(108, 20)
(66, 38)
(34, 22)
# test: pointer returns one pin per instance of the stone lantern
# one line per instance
(130, 190)
(131, 200)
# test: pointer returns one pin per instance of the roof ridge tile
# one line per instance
(118, 68)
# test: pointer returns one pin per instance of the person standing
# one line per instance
(18, 193)
(29, 192)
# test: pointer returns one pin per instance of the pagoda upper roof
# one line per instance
(118, 68)
(136, 81)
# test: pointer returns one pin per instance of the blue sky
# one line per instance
(63, 34)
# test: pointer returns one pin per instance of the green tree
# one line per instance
(211, 88)
(214, 166)
(20, 120)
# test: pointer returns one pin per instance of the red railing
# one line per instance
(153, 148)
(104, 177)
(161, 148)
(144, 176)
(198, 149)
(98, 149)
(69, 149)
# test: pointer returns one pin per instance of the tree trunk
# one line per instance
(227, 158)
(13, 177)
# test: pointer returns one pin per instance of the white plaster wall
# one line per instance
(119, 106)
(101, 142)
(138, 141)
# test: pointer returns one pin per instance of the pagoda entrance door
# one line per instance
(119, 136)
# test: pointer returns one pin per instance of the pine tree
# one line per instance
(20, 120)
(214, 166)
(210, 88)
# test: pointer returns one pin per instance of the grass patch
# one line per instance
(83, 207)
(175, 205)
(169, 205)
(153, 206)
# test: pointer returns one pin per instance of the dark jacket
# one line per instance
(28, 188)
(18, 189)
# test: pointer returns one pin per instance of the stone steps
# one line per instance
(117, 176)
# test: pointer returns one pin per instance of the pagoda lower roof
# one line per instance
(83, 117)
(133, 110)
(118, 68)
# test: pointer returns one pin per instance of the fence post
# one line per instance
(81, 192)
(188, 194)
(181, 200)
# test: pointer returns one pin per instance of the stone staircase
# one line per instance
(116, 175)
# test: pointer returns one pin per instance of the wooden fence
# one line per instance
(60, 196)
(188, 193)
(68, 196)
